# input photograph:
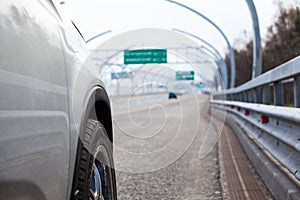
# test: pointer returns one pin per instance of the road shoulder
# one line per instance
(238, 177)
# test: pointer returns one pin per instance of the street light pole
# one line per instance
(223, 67)
(98, 35)
(231, 54)
(257, 50)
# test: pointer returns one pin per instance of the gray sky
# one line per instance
(232, 16)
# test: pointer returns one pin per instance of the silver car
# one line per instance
(55, 119)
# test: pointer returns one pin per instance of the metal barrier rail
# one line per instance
(258, 90)
(258, 108)
(277, 129)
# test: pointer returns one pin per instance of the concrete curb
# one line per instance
(280, 185)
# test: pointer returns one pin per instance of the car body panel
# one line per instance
(34, 117)
(45, 84)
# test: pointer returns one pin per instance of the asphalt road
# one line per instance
(157, 150)
(125, 103)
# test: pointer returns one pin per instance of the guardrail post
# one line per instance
(240, 96)
(253, 93)
(258, 95)
(266, 95)
(297, 91)
(278, 94)
(251, 96)
(245, 97)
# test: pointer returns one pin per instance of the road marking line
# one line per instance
(236, 167)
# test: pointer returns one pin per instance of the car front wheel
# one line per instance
(94, 177)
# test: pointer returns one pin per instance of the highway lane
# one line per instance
(157, 150)
(125, 103)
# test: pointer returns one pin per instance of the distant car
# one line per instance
(172, 95)
(206, 91)
(55, 117)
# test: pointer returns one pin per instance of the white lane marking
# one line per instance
(237, 168)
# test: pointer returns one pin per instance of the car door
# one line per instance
(34, 122)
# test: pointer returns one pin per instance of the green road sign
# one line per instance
(185, 75)
(145, 56)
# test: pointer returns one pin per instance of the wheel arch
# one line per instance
(103, 113)
(98, 108)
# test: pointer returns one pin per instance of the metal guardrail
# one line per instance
(274, 127)
(277, 129)
(259, 91)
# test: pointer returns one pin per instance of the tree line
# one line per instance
(282, 44)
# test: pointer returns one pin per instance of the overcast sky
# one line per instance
(232, 16)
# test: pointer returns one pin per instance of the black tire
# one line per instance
(94, 147)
